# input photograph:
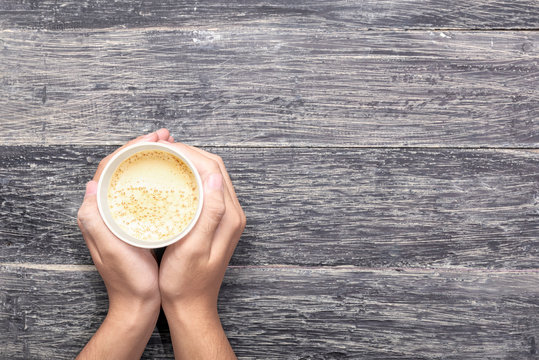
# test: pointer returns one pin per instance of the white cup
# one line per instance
(104, 182)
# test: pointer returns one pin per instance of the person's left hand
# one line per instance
(130, 273)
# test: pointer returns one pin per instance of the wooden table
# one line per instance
(385, 153)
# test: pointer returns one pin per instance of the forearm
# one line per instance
(197, 333)
(123, 334)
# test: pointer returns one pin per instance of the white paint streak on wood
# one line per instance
(254, 87)
(404, 208)
(336, 269)
(272, 313)
(356, 247)
(50, 267)
(324, 14)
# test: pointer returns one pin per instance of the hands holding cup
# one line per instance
(188, 279)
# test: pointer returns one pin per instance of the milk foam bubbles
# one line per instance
(153, 195)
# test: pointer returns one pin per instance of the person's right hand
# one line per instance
(192, 270)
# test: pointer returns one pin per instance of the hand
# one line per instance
(130, 275)
(192, 270)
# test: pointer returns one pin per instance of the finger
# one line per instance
(230, 195)
(90, 244)
(85, 211)
(82, 218)
(162, 134)
(213, 209)
(206, 165)
(170, 139)
(221, 164)
(151, 137)
(226, 239)
(233, 222)
(203, 164)
(94, 229)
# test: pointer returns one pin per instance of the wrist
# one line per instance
(133, 313)
(124, 333)
(191, 312)
(197, 301)
(187, 322)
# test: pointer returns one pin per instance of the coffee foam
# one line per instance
(153, 195)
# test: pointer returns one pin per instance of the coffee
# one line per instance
(153, 195)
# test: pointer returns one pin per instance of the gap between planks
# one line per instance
(344, 268)
(246, 25)
(305, 146)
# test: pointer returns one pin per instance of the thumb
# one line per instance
(213, 208)
(88, 211)
(91, 189)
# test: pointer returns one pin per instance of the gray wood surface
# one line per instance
(367, 207)
(402, 14)
(386, 154)
(299, 313)
(271, 86)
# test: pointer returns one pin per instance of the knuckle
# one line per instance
(102, 163)
(106, 252)
(82, 214)
(237, 222)
(218, 208)
(242, 217)
(216, 212)
(214, 165)
(218, 159)
(206, 228)
(212, 156)
(79, 223)
(243, 220)
(85, 218)
(196, 252)
(215, 264)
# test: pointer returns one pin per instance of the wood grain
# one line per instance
(377, 14)
(377, 226)
(271, 86)
(365, 207)
(299, 313)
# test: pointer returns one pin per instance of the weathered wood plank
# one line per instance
(302, 313)
(270, 86)
(365, 207)
(377, 14)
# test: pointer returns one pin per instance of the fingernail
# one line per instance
(91, 188)
(215, 181)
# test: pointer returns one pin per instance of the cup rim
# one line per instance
(102, 190)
